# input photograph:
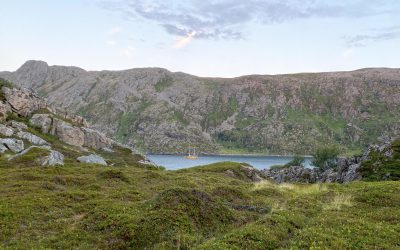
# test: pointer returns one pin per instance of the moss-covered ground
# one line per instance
(130, 207)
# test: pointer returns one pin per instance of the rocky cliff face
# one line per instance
(160, 111)
(29, 124)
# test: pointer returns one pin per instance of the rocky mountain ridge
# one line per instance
(162, 112)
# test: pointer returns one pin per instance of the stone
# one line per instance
(36, 140)
(352, 174)
(291, 174)
(92, 159)
(94, 139)
(20, 126)
(23, 101)
(4, 110)
(251, 173)
(3, 149)
(12, 144)
(27, 150)
(44, 121)
(54, 158)
(6, 131)
(67, 133)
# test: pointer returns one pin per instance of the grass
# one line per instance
(86, 206)
(127, 205)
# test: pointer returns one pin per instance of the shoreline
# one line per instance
(241, 155)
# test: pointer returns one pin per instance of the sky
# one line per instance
(219, 38)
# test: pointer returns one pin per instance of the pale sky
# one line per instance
(202, 37)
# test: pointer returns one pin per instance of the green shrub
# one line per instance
(4, 83)
(297, 160)
(326, 157)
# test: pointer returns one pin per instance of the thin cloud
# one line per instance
(183, 41)
(376, 35)
(225, 19)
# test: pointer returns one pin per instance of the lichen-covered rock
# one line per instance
(251, 173)
(4, 109)
(20, 126)
(6, 131)
(26, 151)
(3, 148)
(12, 144)
(67, 133)
(53, 159)
(23, 101)
(44, 121)
(92, 159)
(291, 174)
(95, 139)
(36, 140)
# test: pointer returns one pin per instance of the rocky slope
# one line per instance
(31, 129)
(160, 111)
(379, 162)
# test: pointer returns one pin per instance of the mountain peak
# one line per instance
(33, 65)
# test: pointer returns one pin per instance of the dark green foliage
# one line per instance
(4, 83)
(297, 160)
(163, 83)
(325, 157)
(380, 167)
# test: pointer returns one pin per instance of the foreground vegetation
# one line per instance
(87, 206)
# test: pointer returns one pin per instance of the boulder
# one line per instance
(20, 126)
(67, 133)
(96, 140)
(23, 101)
(3, 148)
(27, 150)
(13, 144)
(251, 173)
(351, 174)
(4, 110)
(291, 174)
(44, 121)
(92, 159)
(54, 158)
(6, 131)
(36, 140)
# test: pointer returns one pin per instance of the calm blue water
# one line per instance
(173, 162)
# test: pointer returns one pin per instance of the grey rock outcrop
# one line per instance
(26, 151)
(3, 149)
(251, 173)
(23, 101)
(18, 125)
(94, 139)
(6, 131)
(4, 110)
(36, 140)
(12, 144)
(291, 174)
(95, 159)
(53, 159)
(44, 121)
(67, 133)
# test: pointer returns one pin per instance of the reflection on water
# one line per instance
(172, 162)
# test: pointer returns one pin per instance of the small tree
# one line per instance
(297, 160)
(325, 157)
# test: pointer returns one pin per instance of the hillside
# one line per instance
(52, 198)
(159, 111)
